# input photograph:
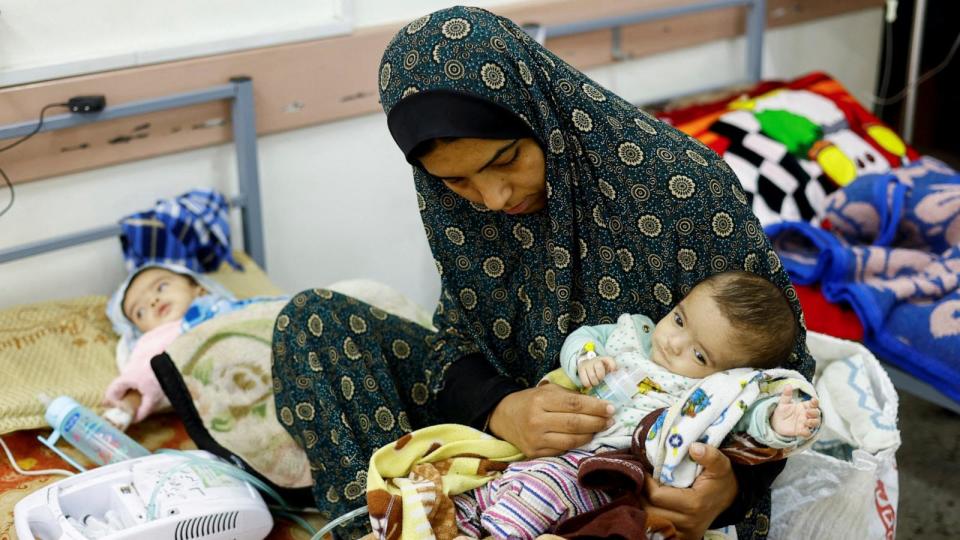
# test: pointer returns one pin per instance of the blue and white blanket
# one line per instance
(891, 249)
(191, 230)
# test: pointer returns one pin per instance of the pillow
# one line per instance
(792, 143)
(248, 282)
(55, 348)
(68, 347)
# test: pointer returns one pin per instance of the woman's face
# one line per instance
(507, 175)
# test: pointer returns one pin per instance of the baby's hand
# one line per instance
(791, 419)
(593, 370)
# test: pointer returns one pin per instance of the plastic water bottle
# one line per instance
(88, 433)
(619, 386)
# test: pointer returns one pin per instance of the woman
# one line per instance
(548, 202)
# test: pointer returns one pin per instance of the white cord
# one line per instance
(922, 79)
(13, 463)
(887, 59)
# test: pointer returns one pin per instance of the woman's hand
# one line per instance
(693, 509)
(548, 420)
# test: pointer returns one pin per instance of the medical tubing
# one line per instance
(336, 522)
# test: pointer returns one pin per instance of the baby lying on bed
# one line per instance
(730, 320)
(151, 308)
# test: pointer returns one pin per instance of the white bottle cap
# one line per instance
(58, 409)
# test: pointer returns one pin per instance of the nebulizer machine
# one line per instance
(189, 495)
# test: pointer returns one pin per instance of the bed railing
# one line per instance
(756, 19)
(240, 91)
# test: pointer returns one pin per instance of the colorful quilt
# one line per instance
(793, 143)
(890, 247)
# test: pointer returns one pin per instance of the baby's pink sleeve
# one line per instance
(137, 373)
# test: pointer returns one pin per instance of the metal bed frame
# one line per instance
(756, 21)
(240, 91)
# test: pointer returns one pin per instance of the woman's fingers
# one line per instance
(554, 444)
(716, 486)
(559, 400)
(678, 519)
(573, 423)
(549, 418)
(667, 499)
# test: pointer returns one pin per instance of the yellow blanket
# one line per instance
(410, 481)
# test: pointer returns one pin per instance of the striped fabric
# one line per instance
(530, 498)
(191, 230)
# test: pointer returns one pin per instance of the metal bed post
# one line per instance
(916, 47)
(239, 91)
(756, 23)
(245, 139)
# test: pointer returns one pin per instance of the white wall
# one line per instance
(845, 46)
(338, 198)
(60, 38)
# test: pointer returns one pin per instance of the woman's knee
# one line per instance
(310, 316)
(312, 311)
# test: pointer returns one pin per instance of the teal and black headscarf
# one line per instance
(637, 213)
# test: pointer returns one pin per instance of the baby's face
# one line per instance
(157, 296)
(695, 339)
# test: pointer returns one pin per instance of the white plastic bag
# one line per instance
(847, 486)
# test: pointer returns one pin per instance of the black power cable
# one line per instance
(10, 186)
(43, 111)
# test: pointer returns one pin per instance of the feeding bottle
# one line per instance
(620, 385)
(88, 432)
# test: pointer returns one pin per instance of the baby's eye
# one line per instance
(700, 358)
(677, 319)
(162, 286)
(138, 314)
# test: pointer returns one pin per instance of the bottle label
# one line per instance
(71, 421)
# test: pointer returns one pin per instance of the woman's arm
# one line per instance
(472, 389)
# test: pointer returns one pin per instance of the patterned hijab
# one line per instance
(637, 212)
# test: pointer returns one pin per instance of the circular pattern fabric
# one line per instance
(623, 189)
